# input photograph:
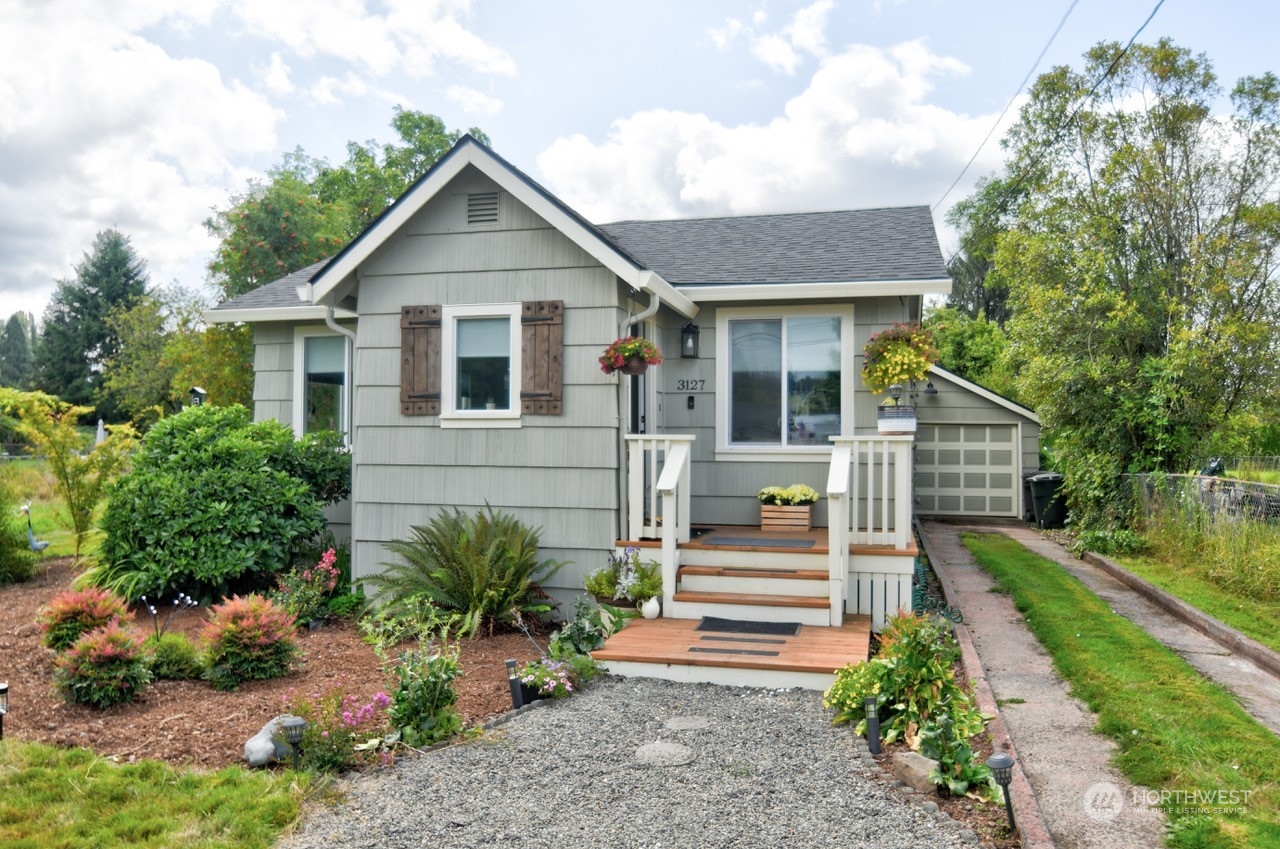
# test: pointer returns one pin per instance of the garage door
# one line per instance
(967, 470)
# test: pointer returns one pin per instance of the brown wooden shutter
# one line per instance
(542, 352)
(420, 360)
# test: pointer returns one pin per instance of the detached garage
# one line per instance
(972, 447)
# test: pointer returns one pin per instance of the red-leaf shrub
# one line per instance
(105, 667)
(247, 638)
(72, 614)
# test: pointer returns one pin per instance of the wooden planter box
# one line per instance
(790, 517)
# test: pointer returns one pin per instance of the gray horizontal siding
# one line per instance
(519, 486)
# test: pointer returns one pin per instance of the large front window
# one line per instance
(783, 378)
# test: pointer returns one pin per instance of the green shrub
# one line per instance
(304, 591)
(422, 707)
(342, 729)
(484, 566)
(17, 560)
(105, 667)
(247, 639)
(956, 769)
(173, 657)
(414, 619)
(344, 606)
(912, 680)
(70, 615)
(219, 502)
(1118, 541)
(582, 634)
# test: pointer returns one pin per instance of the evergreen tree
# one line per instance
(16, 366)
(76, 340)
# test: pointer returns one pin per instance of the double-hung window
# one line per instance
(481, 365)
(785, 378)
(321, 369)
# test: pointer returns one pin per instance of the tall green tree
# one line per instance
(307, 210)
(17, 366)
(76, 340)
(1141, 260)
(973, 348)
(980, 219)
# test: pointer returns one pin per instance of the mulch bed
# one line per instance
(190, 723)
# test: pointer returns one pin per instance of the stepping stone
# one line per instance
(661, 753)
(687, 723)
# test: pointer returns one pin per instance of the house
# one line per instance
(456, 341)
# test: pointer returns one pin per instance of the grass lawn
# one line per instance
(30, 480)
(1257, 619)
(1175, 730)
(71, 798)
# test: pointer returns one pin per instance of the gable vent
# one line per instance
(482, 208)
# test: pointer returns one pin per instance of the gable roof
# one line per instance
(984, 392)
(466, 152)
(275, 301)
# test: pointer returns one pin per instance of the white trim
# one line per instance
(753, 292)
(471, 152)
(449, 415)
(724, 450)
(298, 313)
(300, 335)
(983, 392)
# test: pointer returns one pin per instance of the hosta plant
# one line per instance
(104, 667)
(247, 638)
(72, 614)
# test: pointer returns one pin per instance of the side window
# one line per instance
(321, 381)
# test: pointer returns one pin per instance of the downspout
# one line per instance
(623, 329)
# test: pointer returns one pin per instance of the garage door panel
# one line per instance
(967, 470)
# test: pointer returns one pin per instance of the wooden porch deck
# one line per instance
(709, 538)
(675, 650)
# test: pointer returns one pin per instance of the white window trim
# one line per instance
(450, 416)
(780, 453)
(300, 336)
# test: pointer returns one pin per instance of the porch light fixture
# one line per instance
(513, 682)
(689, 341)
(4, 705)
(1001, 766)
(929, 389)
(292, 727)
(197, 396)
(873, 724)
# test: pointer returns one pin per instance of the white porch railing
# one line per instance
(658, 488)
(869, 500)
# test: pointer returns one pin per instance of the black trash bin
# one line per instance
(1028, 510)
(1047, 500)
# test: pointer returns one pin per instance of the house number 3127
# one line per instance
(690, 385)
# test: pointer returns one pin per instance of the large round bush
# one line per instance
(216, 502)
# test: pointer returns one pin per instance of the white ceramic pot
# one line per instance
(651, 608)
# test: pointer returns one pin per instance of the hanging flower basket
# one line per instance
(629, 354)
(900, 354)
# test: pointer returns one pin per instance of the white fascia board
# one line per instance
(475, 154)
(983, 392)
(754, 292)
(298, 313)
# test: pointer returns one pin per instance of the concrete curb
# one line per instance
(1033, 833)
(1216, 630)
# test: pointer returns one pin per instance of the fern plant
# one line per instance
(484, 566)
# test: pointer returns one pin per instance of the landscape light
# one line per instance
(873, 724)
(293, 727)
(4, 705)
(1001, 766)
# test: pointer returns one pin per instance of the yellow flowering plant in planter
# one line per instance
(900, 354)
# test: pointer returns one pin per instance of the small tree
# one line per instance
(80, 476)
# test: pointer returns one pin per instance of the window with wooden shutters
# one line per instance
(483, 365)
(542, 344)
(420, 344)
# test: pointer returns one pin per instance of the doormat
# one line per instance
(761, 542)
(734, 651)
(737, 626)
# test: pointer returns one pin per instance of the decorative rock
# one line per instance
(687, 723)
(660, 753)
(912, 769)
(267, 745)
(931, 807)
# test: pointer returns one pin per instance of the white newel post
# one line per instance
(673, 485)
(838, 529)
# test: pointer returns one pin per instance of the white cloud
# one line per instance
(276, 76)
(101, 128)
(861, 134)
(474, 102)
(411, 37)
(784, 50)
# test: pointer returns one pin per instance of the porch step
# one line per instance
(746, 572)
(699, 597)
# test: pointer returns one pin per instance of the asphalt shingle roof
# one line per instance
(806, 247)
(276, 294)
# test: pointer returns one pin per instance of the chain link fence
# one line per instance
(1225, 498)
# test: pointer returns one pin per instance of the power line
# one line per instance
(1005, 111)
(1093, 89)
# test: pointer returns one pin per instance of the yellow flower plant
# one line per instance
(900, 354)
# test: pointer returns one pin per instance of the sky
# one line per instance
(145, 115)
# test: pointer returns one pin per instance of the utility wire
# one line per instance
(1005, 111)
(1026, 172)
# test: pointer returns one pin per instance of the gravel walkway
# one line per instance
(765, 768)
